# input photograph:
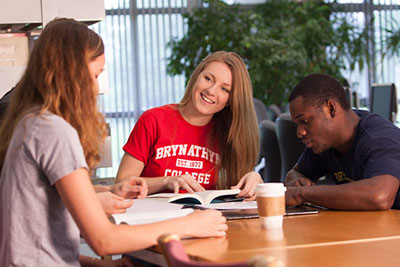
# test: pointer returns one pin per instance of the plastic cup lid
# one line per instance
(270, 187)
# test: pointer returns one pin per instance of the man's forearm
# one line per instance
(376, 193)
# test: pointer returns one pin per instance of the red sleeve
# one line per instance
(142, 138)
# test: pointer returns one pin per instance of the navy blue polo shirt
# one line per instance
(375, 151)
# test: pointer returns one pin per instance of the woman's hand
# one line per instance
(132, 187)
(184, 182)
(113, 204)
(247, 184)
(205, 223)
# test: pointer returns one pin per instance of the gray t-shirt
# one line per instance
(36, 228)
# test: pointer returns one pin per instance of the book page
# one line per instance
(150, 210)
(184, 198)
(150, 216)
(209, 195)
(151, 204)
(202, 197)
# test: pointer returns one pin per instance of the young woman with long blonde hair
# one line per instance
(209, 140)
(49, 139)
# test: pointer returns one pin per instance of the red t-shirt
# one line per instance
(170, 146)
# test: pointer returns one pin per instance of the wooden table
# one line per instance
(331, 238)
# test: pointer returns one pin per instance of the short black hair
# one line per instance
(317, 88)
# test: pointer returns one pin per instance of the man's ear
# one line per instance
(331, 106)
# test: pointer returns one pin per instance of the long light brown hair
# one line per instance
(57, 79)
(235, 127)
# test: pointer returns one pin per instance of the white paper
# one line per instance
(144, 211)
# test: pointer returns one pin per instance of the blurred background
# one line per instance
(152, 46)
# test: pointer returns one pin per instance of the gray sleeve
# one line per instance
(55, 147)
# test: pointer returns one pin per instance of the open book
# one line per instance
(203, 197)
(144, 211)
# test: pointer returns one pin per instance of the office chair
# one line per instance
(290, 146)
(176, 256)
(269, 149)
(384, 101)
(273, 112)
(261, 113)
(261, 110)
(356, 100)
(349, 95)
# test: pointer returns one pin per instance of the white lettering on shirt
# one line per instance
(204, 153)
(189, 164)
(194, 151)
(182, 150)
(191, 151)
(202, 178)
(174, 149)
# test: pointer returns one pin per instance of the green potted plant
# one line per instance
(281, 41)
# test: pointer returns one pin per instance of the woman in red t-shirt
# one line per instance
(210, 140)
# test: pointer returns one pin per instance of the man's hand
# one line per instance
(248, 184)
(113, 204)
(295, 178)
(300, 181)
(293, 196)
(132, 187)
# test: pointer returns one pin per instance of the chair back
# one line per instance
(290, 146)
(384, 100)
(273, 112)
(269, 149)
(261, 110)
(349, 95)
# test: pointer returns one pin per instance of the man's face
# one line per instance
(314, 125)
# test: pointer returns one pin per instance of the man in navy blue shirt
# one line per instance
(359, 150)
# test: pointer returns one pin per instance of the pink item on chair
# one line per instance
(176, 256)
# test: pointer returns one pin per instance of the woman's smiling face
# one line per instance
(211, 90)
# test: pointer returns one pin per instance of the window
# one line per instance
(135, 34)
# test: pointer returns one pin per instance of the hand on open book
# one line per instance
(184, 182)
(132, 187)
(113, 204)
(247, 185)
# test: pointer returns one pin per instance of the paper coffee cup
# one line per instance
(275, 235)
(271, 204)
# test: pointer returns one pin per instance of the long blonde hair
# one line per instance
(57, 79)
(235, 127)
